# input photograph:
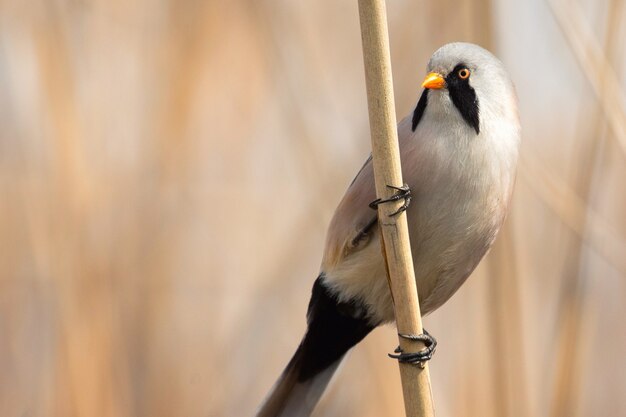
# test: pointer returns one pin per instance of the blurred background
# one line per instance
(168, 170)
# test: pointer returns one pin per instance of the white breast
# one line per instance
(461, 184)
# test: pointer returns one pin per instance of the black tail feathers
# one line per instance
(333, 328)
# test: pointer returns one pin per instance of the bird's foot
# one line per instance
(417, 358)
(402, 193)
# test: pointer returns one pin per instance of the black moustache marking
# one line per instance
(464, 97)
(419, 110)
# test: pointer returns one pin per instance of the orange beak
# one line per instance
(434, 81)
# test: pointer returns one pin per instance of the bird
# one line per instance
(458, 151)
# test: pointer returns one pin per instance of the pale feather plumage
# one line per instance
(461, 182)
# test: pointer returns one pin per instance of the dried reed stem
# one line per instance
(394, 229)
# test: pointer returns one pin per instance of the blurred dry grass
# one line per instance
(168, 170)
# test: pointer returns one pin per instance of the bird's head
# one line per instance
(468, 83)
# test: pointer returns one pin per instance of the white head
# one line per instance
(467, 83)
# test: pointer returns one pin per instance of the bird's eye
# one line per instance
(464, 73)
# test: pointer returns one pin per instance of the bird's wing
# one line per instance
(354, 222)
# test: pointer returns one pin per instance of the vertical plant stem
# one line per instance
(394, 229)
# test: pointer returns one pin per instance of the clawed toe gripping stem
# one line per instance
(417, 358)
(402, 193)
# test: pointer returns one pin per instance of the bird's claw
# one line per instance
(402, 193)
(416, 358)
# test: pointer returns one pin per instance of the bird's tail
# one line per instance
(292, 396)
(333, 328)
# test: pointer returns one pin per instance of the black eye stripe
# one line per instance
(458, 68)
(464, 97)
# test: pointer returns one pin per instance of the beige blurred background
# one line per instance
(168, 169)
